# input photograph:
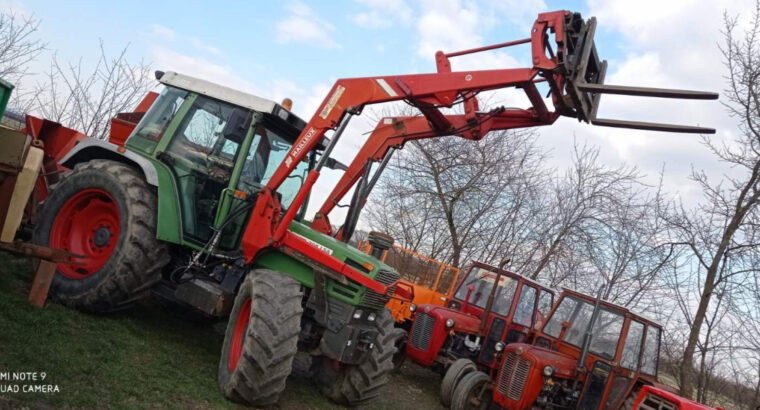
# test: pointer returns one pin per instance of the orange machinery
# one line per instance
(433, 281)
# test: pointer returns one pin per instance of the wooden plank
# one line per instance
(41, 284)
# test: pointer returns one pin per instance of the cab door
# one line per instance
(202, 154)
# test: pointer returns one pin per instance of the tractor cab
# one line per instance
(221, 147)
(491, 307)
(589, 354)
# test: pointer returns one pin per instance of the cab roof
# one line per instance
(513, 274)
(219, 92)
(610, 305)
(230, 95)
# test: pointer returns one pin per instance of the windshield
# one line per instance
(482, 280)
(268, 150)
(577, 312)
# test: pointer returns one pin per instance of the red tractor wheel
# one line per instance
(238, 334)
(87, 224)
(261, 338)
(106, 212)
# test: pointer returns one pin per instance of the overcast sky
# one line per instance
(298, 49)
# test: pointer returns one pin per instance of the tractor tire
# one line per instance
(352, 385)
(465, 395)
(261, 338)
(399, 337)
(455, 373)
(106, 211)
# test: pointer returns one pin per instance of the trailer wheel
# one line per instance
(399, 337)
(261, 338)
(473, 392)
(455, 373)
(351, 385)
(106, 211)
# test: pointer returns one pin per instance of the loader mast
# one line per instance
(569, 65)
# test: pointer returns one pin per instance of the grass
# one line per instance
(144, 357)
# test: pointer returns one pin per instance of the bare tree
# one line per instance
(445, 194)
(579, 199)
(86, 99)
(721, 232)
(19, 46)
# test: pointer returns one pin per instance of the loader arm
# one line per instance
(393, 132)
(563, 55)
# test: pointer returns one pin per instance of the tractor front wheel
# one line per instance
(352, 385)
(455, 373)
(261, 339)
(104, 211)
(473, 392)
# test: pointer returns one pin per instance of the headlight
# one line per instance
(449, 323)
(548, 371)
(412, 307)
(358, 314)
(371, 317)
(499, 346)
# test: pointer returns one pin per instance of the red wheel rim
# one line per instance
(88, 225)
(238, 334)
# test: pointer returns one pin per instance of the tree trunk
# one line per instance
(687, 365)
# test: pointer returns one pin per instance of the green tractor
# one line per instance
(167, 212)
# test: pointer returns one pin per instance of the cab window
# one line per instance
(268, 150)
(482, 281)
(651, 351)
(578, 313)
(524, 310)
(632, 347)
(545, 302)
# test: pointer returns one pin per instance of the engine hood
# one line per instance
(336, 248)
(463, 322)
(563, 364)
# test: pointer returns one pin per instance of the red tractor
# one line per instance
(652, 398)
(589, 354)
(490, 308)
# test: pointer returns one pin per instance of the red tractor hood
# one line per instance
(463, 322)
(563, 364)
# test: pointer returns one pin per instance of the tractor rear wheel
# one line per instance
(105, 211)
(351, 385)
(473, 392)
(455, 373)
(261, 338)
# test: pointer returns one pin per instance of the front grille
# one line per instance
(514, 375)
(374, 300)
(422, 331)
(654, 402)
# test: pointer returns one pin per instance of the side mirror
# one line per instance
(237, 125)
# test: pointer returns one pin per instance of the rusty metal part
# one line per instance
(42, 252)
